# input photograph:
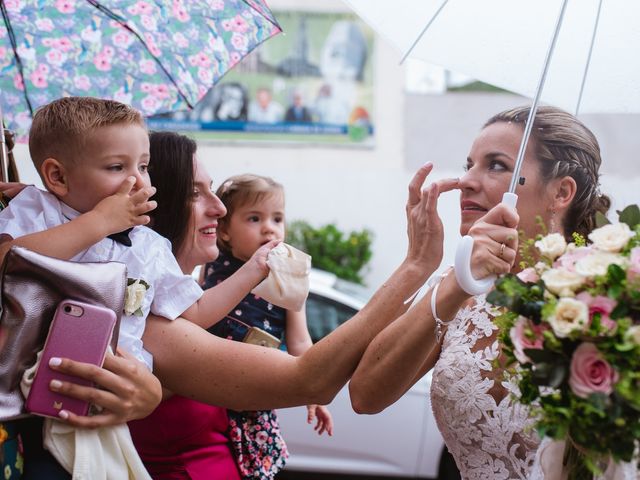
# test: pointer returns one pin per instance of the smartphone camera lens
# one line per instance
(67, 308)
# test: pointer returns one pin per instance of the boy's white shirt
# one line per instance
(149, 258)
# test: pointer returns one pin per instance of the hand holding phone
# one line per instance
(79, 331)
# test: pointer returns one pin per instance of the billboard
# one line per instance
(314, 83)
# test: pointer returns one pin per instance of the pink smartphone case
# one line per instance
(83, 338)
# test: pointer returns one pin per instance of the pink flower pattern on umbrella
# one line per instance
(109, 49)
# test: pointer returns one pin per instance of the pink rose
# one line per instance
(82, 82)
(17, 82)
(633, 273)
(179, 12)
(64, 44)
(529, 275)
(239, 42)
(102, 62)
(65, 6)
(148, 67)
(569, 259)
(39, 79)
(525, 334)
(590, 373)
(239, 24)
(180, 40)
(602, 305)
(161, 91)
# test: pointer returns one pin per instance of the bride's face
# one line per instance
(489, 168)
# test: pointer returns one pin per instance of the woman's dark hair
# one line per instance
(171, 171)
(566, 147)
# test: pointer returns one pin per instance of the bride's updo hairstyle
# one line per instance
(564, 147)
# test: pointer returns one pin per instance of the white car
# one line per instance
(401, 441)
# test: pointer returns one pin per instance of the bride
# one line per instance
(486, 431)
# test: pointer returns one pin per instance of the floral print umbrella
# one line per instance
(158, 56)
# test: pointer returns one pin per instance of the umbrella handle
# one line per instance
(462, 266)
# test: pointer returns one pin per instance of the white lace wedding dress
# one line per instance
(489, 435)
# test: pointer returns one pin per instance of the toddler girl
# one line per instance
(255, 216)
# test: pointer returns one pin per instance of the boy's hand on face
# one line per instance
(125, 209)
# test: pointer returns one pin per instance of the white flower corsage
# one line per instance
(134, 295)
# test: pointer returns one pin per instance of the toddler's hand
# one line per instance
(259, 257)
(324, 420)
(124, 209)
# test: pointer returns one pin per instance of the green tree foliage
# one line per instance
(344, 254)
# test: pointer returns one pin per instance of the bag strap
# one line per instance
(9, 170)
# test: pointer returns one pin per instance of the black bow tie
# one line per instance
(122, 237)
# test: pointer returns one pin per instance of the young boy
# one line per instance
(92, 156)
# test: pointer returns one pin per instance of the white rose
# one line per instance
(540, 267)
(596, 263)
(133, 297)
(634, 334)
(569, 315)
(562, 282)
(551, 246)
(612, 237)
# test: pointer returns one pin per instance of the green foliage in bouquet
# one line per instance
(570, 331)
(333, 250)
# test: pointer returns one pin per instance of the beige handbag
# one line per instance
(287, 284)
(31, 286)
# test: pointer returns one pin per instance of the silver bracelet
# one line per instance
(439, 323)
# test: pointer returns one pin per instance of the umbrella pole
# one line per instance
(515, 179)
(4, 157)
(462, 262)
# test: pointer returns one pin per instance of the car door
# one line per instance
(389, 443)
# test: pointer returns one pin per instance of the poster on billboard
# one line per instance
(312, 84)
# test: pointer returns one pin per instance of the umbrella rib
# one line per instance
(271, 18)
(424, 30)
(124, 25)
(14, 47)
(515, 178)
(588, 64)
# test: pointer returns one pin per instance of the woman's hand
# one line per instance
(495, 242)
(11, 189)
(424, 227)
(130, 391)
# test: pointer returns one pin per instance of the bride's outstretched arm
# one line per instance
(404, 351)
(191, 362)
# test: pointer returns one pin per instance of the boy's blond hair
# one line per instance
(61, 128)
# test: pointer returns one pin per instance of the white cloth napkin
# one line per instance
(287, 284)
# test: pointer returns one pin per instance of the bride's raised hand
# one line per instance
(424, 226)
(495, 242)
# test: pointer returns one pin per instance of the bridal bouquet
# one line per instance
(571, 334)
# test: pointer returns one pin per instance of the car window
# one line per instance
(325, 315)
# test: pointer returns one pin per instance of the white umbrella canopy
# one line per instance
(505, 42)
(580, 55)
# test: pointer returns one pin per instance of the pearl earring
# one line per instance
(552, 222)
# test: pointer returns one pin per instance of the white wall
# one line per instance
(348, 185)
(362, 187)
